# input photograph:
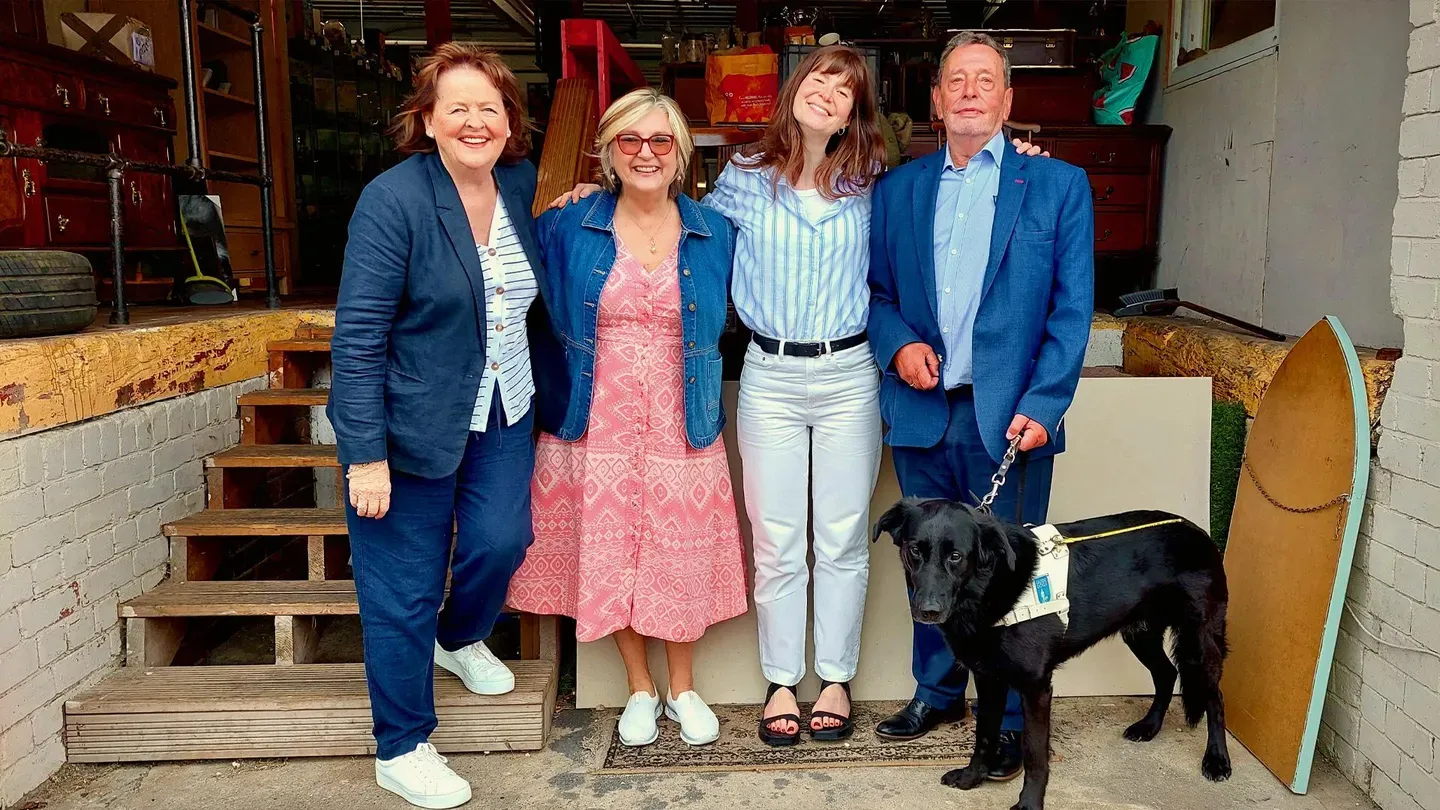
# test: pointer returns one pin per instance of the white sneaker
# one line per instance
(637, 723)
(698, 725)
(478, 668)
(422, 778)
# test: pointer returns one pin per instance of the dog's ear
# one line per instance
(995, 542)
(895, 518)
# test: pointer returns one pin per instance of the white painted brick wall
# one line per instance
(1382, 712)
(80, 514)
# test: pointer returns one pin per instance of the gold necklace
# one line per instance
(651, 234)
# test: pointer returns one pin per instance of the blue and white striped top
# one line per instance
(796, 278)
(510, 288)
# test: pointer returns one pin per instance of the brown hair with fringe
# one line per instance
(853, 157)
(408, 127)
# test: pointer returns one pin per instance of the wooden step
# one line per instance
(299, 345)
(259, 523)
(237, 712)
(275, 397)
(275, 455)
(247, 598)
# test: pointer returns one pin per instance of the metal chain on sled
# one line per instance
(998, 479)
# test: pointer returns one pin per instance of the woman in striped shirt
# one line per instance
(809, 418)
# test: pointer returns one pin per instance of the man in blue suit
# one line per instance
(982, 275)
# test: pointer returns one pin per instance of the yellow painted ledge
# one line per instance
(47, 382)
(1241, 365)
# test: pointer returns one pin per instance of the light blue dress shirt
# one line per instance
(964, 218)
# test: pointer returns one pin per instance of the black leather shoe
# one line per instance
(1005, 763)
(917, 719)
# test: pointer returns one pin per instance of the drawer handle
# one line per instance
(135, 196)
(63, 94)
(1104, 195)
(61, 223)
(1104, 236)
(160, 115)
(29, 182)
(1095, 156)
(104, 102)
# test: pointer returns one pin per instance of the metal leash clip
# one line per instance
(998, 479)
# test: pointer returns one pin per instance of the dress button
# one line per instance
(499, 290)
(494, 366)
(491, 251)
(499, 327)
(692, 306)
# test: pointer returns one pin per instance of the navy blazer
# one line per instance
(1036, 303)
(409, 344)
(578, 242)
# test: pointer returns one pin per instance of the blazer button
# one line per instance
(692, 306)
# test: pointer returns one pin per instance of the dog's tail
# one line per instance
(1200, 651)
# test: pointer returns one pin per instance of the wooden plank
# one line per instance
(51, 381)
(276, 455)
(275, 397)
(247, 598)
(297, 638)
(259, 523)
(303, 687)
(570, 131)
(195, 559)
(300, 345)
(315, 557)
(529, 637)
(152, 642)
(550, 639)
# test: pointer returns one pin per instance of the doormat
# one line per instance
(740, 749)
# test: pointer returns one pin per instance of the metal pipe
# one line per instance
(262, 139)
(10, 149)
(187, 82)
(119, 313)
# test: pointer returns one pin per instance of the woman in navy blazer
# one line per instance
(444, 361)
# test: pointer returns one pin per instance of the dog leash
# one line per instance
(998, 479)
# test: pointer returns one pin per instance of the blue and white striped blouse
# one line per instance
(796, 278)
(510, 288)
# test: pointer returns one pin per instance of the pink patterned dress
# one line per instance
(633, 526)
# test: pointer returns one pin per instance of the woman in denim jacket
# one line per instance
(635, 526)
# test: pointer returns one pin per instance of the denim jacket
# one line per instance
(577, 245)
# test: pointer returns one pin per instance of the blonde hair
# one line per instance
(626, 112)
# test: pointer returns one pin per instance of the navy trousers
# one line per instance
(959, 469)
(400, 563)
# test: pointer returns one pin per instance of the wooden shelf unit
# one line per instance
(227, 120)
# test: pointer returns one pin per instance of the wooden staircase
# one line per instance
(264, 549)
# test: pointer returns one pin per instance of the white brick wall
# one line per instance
(1382, 713)
(80, 514)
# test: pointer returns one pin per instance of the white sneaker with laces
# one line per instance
(698, 724)
(422, 778)
(637, 723)
(478, 668)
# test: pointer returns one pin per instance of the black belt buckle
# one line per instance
(802, 349)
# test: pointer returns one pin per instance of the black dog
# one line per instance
(966, 570)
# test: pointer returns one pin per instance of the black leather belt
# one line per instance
(796, 349)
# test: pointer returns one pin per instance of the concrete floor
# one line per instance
(1096, 769)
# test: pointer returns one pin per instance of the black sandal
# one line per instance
(837, 733)
(775, 738)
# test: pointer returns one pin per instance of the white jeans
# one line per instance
(798, 415)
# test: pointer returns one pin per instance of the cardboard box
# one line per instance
(118, 38)
(742, 88)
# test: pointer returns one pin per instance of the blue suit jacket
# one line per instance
(409, 341)
(1035, 308)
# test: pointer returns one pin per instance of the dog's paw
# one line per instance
(967, 778)
(1215, 766)
(1025, 804)
(1143, 731)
